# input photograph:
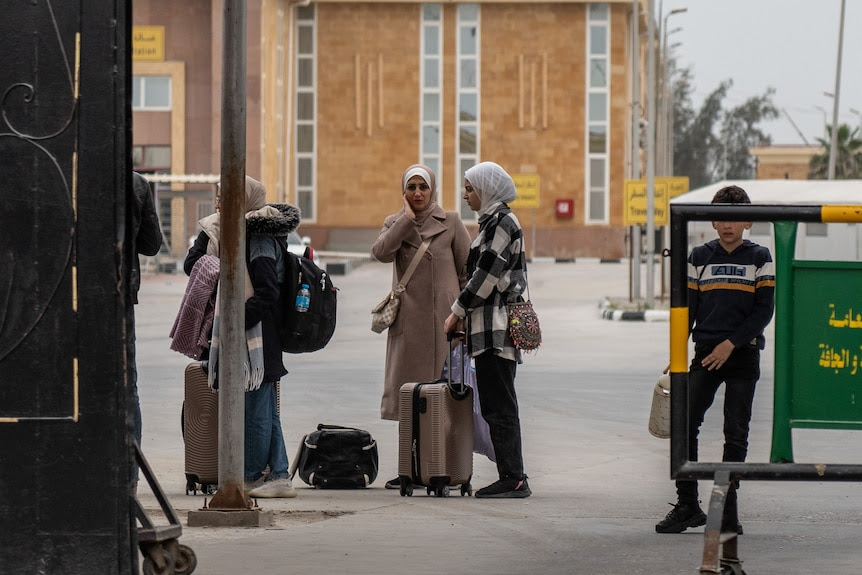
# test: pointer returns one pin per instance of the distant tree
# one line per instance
(848, 147)
(712, 144)
(740, 132)
(696, 148)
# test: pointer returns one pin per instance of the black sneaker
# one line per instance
(393, 483)
(680, 518)
(507, 488)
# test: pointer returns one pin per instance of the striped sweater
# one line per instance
(730, 295)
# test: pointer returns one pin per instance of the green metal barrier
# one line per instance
(817, 360)
(818, 339)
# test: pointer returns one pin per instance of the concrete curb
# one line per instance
(630, 315)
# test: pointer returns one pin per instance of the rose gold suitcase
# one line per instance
(200, 431)
(435, 437)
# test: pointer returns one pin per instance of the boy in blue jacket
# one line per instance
(731, 298)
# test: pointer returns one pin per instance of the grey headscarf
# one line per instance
(492, 184)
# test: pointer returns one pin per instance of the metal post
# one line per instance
(232, 256)
(635, 231)
(833, 144)
(533, 243)
(785, 247)
(650, 223)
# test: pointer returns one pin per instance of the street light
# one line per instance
(833, 144)
(665, 134)
(666, 120)
(823, 111)
(651, 146)
(856, 112)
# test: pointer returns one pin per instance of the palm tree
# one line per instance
(848, 164)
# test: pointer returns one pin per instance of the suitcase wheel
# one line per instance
(406, 487)
(467, 490)
(439, 491)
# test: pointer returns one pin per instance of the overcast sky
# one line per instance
(789, 45)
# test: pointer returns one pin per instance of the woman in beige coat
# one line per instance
(416, 347)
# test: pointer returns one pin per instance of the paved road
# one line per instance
(600, 481)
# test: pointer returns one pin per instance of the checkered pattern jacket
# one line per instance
(496, 268)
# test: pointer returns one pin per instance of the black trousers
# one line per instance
(495, 378)
(740, 375)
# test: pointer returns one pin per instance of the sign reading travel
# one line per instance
(635, 198)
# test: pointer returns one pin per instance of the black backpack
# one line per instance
(303, 332)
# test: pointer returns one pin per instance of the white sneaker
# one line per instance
(276, 488)
(252, 485)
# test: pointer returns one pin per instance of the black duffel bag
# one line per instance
(336, 457)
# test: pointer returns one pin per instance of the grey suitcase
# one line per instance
(435, 437)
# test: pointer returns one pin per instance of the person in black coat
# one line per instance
(144, 237)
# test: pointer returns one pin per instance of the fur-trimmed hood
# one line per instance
(273, 220)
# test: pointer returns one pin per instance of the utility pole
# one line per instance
(833, 143)
(232, 272)
(650, 184)
(635, 231)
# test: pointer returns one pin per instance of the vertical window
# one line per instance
(163, 206)
(468, 99)
(305, 124)
(431, 90)
(151, 93)
(597, 114)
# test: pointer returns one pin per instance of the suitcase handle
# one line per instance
(463, 390)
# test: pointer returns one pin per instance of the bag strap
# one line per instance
(413, 263)
(295, 463)
(321, 426)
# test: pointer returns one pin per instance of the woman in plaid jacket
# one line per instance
(496, 268)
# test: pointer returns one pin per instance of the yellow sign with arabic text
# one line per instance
(635, 207)
(148, 43)
(676, 185)
(635, 203)
(528, 191)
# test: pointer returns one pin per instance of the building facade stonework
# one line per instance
(342, 96)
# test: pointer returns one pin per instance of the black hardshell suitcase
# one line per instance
(435, 436)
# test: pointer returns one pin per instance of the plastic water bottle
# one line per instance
(303, 297)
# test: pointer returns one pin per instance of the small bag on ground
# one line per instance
(659, 415)
(336, 457)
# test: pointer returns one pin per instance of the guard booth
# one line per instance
(817, 358)
(66, 437)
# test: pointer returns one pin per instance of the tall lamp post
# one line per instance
(856, 112)
(833, 140)
(651, 147)
(664, 133)
(823, 111)
(668, 70)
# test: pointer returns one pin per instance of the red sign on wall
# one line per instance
(564, 208)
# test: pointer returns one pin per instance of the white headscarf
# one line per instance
(492, 184)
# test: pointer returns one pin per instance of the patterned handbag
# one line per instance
(386, 311)
(383, 314)
(524, 328)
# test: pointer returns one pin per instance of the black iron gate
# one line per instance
(64, 400)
